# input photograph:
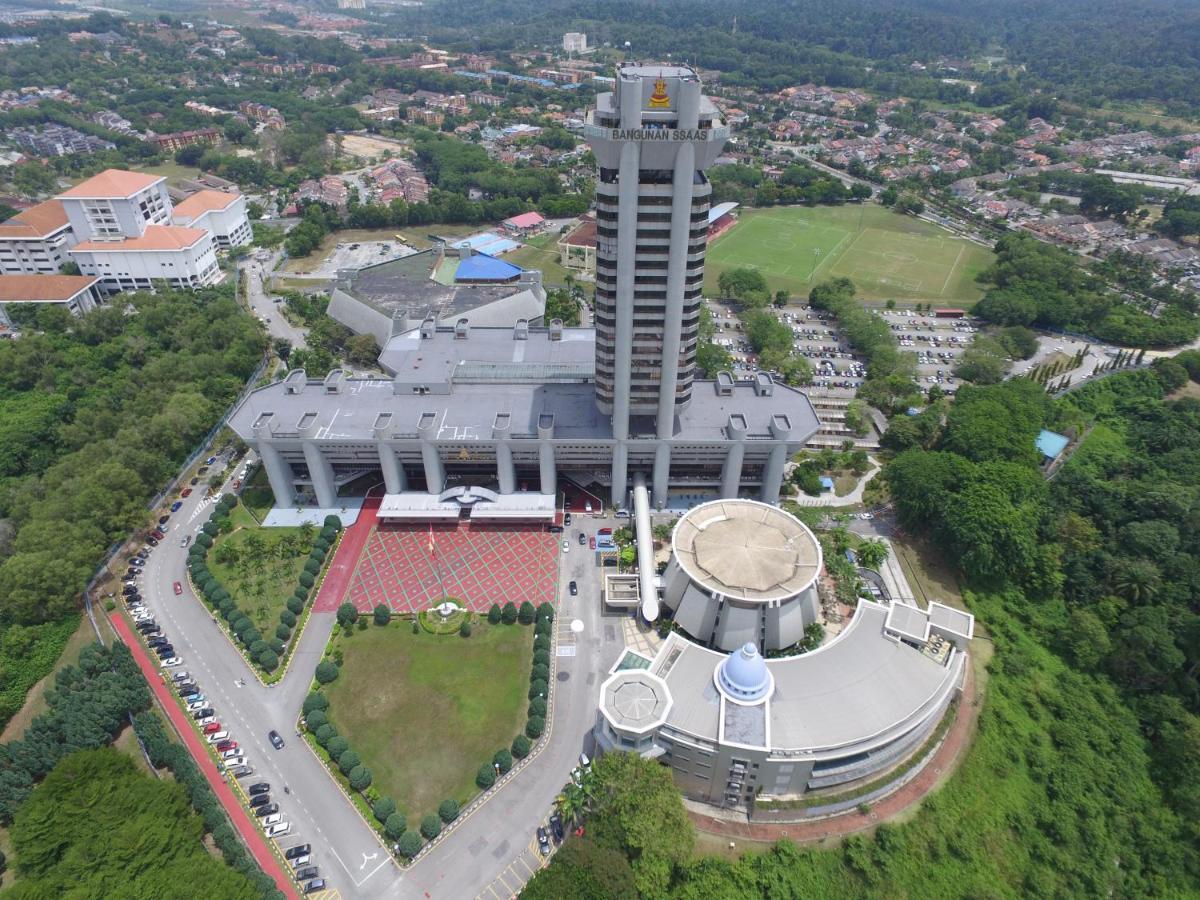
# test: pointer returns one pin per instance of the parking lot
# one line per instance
(357, 255)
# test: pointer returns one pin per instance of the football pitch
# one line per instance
(885, 254)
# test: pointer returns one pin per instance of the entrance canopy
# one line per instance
(479, 503)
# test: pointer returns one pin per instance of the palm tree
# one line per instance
(872, 554)
(1138, 581)
(570, 804)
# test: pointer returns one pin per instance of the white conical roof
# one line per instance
(743, 676)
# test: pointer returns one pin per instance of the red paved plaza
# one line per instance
(480, 565)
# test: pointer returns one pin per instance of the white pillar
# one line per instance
(279, 474)
(773, 473)
(546, 467)
(505, 471)
(662, 474)
(435, 472)
(321, 473)
(731, 472)
(394, 481)
(620, 473)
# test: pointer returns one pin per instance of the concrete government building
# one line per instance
(488, 418)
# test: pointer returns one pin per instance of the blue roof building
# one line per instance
(1051, 445)
(480, 267)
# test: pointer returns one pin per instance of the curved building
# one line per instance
(742, 572)
(734, 726)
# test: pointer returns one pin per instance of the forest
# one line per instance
(100, 413)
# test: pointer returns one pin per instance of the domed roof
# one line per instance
(743, 676)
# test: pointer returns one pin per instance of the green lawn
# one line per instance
(886, 255)
(260, 582)
(530, 257)
(424, 712)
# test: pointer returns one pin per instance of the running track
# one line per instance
(251, 836)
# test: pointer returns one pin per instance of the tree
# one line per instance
(508, 615)
(347, 614)
(395, 825)
(337, 746)
(315, 701)
(268, 659)
(1137, 580)
(535, 726)
(503, 760)
(486, 776)
(464, 630)
(872, 554)
(431, 827)
(494, 614)
(409, 844)
(526, 613)
(383, 808)
(325, 733)
(448, 811)
(521, 746)
(347, 761)
(327, 672)
(361, 350)
(360, 778)
(383, 615)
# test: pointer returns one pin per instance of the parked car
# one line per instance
(543, 841)
(291, 852)
(272, 819)
(180, 676)
(203, 713)
(307, 872)
(300, 861)
(224, 746)
(267, 811)
(231, 753)
(186, 492)
(178, 589)
(176, 505)
(158, 533)
(279, 829)
(574, 588)
(582, 539)
(196, 706)
(275, 739)
(163, 519)
(215, 736)
(146, 625)
(261, 788)
(556, 828)
(317, 884)
(170, 662)
(240, 771)
(166, 651)
(566, 546)
(259, 800)
(194, 482)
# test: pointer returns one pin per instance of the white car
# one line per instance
(217, 736)
(566, 546)
(300, 862)
(231, 754)
(196, 705)
(279, 829)
(231, 761)
(273, 819)
(206, 720)
(170, 662)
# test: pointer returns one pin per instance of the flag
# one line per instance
(431, 538)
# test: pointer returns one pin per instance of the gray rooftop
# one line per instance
(493, 355)
(635, 700)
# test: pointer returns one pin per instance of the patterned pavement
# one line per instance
(412, 567)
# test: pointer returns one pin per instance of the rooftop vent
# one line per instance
(521, 330)
(556, 329)
(462, 328)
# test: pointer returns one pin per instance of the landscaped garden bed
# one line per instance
(414, 724)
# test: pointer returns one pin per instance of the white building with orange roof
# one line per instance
(36, 240)
(218, 212)
(180, 256)
(76, 293)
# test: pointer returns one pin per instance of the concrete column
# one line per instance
(731, 471)
(549, 478)
(435, 472)
(781, 429)
(627, 216)
(321, 473)
(662, 474)
(506, 473)
(681, 216)
(394, 481)
(279, 474)
(620, 473)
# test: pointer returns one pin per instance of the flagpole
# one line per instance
(437, 566)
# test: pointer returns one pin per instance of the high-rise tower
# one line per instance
(653, 137)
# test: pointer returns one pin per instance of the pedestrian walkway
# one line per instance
(250, 834)
(944, 761)
(345, 560)
(640, 637)
(830, 499)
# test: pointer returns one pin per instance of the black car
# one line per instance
(574, 588)
(129, 589)
(204, 713)
(260, 788)
(556, 828)
(165, 650)
(153, 542)
(260, 800)
(291, 852)
(163, 520)
(185, 686)
(276, 740)
(566, 518)
(157, 641)
(317, 884)
(267, 809)
(582, 539)
(143, 627)
(543, 840)
(306, 873)
(194, 482)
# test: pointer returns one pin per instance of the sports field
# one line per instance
(887, 255)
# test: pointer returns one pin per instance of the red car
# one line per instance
(226, 745)
(178, 588)
(212, 727)
(186, 492)
(591, 543)
(157, 535)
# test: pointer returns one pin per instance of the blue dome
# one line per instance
(744, 675)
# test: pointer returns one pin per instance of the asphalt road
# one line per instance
(263, 304)
(491, 852)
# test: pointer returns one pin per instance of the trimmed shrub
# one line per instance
(521, 746)
(542, 628)
(526, 613)
(494, 614)
(546, 611)
(306, 579)
(394, 825)
(316, 719)
(448, 811)
(295, 606)
(333, 522)
(337, 746)
(240, 623)
(204, 540)
(327, 672)
(275, 644)
(348, 761)
(347, 614)
(504, 760)
(210, 528)
(541, 642)
(537, 707)
(384, 807)
(382, 614)
(312, 567)
(288, 618)
(251, 635)
(538, 689)
(360, 778)
(321, 544)
(268, 659)
(486, 776)
(328, 534)
(508, 614)
(318, 555)
(409, 844)
(302, 593)
(540, 673)
(465, 629)
(535, 726)
(541, 657)
(431, 827)
(282, 632)
(315, 701)
(325, 734)
(258, 647)
(227, 608)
